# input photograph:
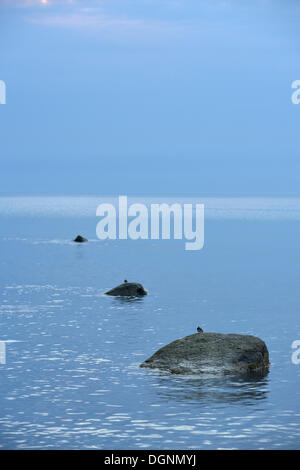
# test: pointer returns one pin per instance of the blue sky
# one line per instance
(154, 97)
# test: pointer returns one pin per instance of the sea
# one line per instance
(70, 375)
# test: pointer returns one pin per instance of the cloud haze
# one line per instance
(150, 96)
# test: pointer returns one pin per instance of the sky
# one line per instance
(150, 97)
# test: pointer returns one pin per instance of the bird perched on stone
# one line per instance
(199, 329)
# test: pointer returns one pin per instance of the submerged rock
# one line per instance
(129, 289)
(80, 239)
(211, 353)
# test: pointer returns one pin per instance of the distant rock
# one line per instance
(211, 353)
(129, 289)
(80, 239)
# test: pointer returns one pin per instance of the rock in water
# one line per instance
(129, 289)
(80, 239)
(211, 353)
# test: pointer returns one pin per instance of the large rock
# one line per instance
(80, 239)
(211, 353)
(128, 289)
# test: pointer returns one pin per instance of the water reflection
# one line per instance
(79, 254)
(128, 300)
(246, 390)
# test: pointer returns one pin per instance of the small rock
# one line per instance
(129, 289)
(80, 239)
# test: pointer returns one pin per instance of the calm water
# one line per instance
(72, 376)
